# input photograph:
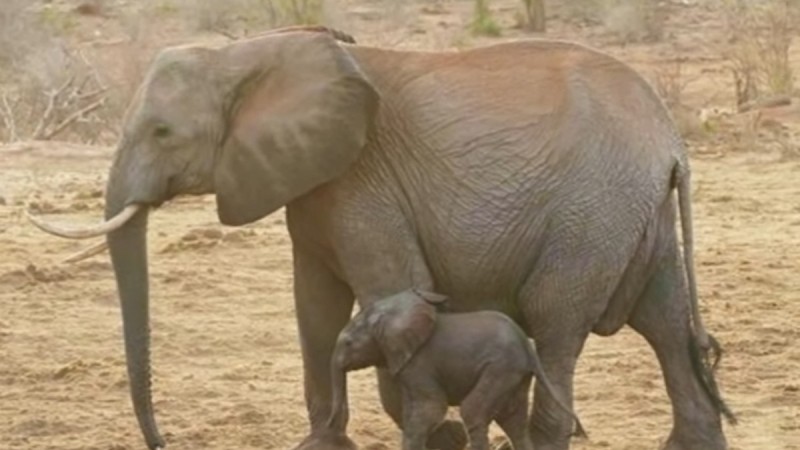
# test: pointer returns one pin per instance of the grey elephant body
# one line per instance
(481, 361)
(538, 174)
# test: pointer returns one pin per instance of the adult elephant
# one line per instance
(532, 177)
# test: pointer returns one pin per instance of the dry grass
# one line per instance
(630, 20)
(634, 21)
(235, 18)
(670, 83)
(534, 15)
(483, 23)
(47, 88)
(757, 48)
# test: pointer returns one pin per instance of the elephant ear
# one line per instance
(300, 110)
(402, 330)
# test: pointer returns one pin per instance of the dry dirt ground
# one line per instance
(227, 368)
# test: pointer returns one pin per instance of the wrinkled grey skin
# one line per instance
(481, 361)
(539, 173)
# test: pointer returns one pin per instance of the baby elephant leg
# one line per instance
(420, 418)
(486, 400)
(448, 435)
(513, 417)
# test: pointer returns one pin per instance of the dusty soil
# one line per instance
(227, 367)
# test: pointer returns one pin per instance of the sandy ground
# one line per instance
(227, 367)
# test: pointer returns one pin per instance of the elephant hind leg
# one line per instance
(513, 417)
(662, 317)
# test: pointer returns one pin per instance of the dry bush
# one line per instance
(670, 83)
(242, 17)
(584, 11)
(46, 89)
(757, 48)
(634, 21)
(630, 20)
(534, 15)
(482, 22)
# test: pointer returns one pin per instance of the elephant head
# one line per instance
(386, 333)
(258, 123)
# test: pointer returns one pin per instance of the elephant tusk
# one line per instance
(88, 252)
(86, 232)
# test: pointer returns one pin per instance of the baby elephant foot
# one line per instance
(327, 442)
(450, 435)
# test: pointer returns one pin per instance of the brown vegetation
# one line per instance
(228, 367)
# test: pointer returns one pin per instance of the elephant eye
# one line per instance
(161, 131)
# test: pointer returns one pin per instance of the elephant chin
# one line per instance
(340, 413)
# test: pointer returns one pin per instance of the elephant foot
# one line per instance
(327, 442)
(709, 441)
(449, 435)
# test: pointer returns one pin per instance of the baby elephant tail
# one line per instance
(541, 377)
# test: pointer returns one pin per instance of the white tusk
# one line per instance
(88, 252)
(86, 232)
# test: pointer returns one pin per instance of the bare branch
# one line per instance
(48, 112)
(8, 119)
(97, 78)
(73, 117)
(91, 94)
(224, 32)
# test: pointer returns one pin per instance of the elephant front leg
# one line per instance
(448, 435)
(324, 305)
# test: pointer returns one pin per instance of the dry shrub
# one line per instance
(670, 83)
(46, 88)
(757, 48)
(584, 11)
(634, 21)
(242, 17)
(534, 15)
(482, 22)
(630, 20)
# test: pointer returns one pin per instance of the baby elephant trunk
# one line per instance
(340, 412)
(541, 377)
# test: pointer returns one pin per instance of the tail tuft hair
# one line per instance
(704, 370)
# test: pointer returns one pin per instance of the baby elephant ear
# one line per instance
(431, 297)
(403, 330)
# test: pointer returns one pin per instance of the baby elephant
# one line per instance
(481, 361)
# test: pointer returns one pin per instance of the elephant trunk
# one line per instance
(128, 248)
(340, 413)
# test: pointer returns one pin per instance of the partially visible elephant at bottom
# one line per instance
(534, 177)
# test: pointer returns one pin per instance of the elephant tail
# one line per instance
(702, 343)
(536, 368)
(705, 373)
(680, 180)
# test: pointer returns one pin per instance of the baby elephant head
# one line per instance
(386, 333)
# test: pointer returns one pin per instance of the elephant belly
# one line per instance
(554, 251)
